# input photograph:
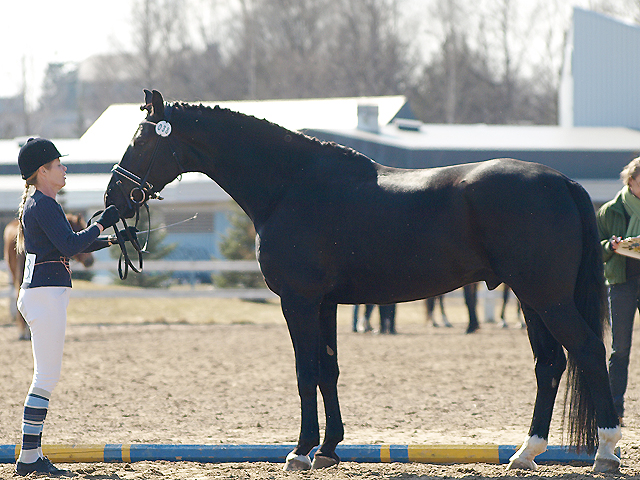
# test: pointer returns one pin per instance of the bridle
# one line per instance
(141, 193)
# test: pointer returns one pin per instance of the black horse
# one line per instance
(333, 227)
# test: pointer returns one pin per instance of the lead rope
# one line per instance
(124, 254)
(124, 262)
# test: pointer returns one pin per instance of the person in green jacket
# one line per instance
(618, 219)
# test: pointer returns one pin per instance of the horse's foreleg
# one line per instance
(550, 365)
(328, 382)
(302, 320)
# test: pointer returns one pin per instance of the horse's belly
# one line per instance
(395, 287)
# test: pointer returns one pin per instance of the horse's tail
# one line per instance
(590, 300)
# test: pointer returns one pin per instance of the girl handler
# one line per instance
(48, 241)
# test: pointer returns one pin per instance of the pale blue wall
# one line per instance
(606, 71)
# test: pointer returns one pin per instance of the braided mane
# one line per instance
(270, 131)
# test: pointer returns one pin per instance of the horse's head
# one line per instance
(78, 223)
(148, 164)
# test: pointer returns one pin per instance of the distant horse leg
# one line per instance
(24, 332)
(354, 327)
(550, 365)
(520, 314)
(471, 299)
(328, 382)
(445, 320)
(302, 316)
(387, 318)
(505, 300)
(392, 319)
(368, 310)
(431, 305)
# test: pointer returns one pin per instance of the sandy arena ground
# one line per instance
(145, 378)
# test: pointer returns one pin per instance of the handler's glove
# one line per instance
(109, 217)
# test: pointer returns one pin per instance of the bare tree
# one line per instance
(477, 74)
(160, 38)
(369, 57)
(626, 9)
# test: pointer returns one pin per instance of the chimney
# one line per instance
(368, 118)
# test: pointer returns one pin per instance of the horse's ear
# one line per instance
(158, 104)
(147, 101)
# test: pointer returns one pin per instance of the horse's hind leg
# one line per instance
(550, 364)
(590, 382)
(592, 404)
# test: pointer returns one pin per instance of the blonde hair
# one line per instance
(29, 188)
(632, 170)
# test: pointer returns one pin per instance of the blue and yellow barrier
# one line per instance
(443, 454)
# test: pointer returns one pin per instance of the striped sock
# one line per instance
(35, 411)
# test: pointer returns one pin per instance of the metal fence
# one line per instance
(168, 266)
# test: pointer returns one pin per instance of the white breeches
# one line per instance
(45, 311)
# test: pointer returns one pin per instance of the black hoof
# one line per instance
(472, 328)
(321, 461)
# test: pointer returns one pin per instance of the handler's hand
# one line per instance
(109, 217)
(615, 242)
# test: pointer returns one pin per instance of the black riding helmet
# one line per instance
(35, 153)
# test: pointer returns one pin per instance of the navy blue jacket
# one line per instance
(49, 236)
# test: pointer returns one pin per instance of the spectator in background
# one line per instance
(618, 219)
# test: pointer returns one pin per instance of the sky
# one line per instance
(35, 33)
(38, 32)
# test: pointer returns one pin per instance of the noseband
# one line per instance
(140, 194)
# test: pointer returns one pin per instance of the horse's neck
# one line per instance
(255, 193)
(252, 172)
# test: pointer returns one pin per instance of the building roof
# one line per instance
(107, 139)
(594, 156)
(478, 137)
